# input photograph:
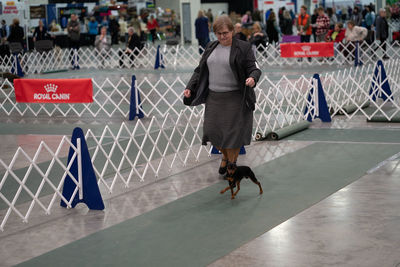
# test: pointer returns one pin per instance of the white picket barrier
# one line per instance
(45, 173)
(112, 99)
(282, 103)
(349, 92)
(178, 57)
(162, 97)
(148, 149)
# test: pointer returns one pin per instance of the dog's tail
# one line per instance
(252, 176)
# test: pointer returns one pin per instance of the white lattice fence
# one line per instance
(349, 91)
(21, 189)
(281, 103)
(149, 149)
(180, 57)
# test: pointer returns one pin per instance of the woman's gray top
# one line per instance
(221, 78)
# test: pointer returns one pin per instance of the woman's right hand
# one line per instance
(187, 93)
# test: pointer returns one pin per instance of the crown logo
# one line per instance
(306, 48)
(50, 88)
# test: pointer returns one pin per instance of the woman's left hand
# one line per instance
(250, 82)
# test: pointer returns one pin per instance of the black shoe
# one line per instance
(222, 170)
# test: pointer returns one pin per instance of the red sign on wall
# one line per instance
(307, 50)
(53, 90)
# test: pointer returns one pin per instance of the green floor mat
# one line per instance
(204, 226)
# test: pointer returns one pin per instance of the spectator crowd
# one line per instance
(345, 26)
(342, 25)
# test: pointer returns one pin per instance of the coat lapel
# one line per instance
(232, 56)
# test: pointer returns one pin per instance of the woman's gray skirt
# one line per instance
(227, 124)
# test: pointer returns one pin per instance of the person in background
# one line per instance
(280, 15)
(369, 18)
(272, 29)
(349, 12)
(113, 28)
(54, 27)
(369, 23)
(259, 37)
(332, 18)
(16, 33)
(247, 19)
(344, 13)
(336, 35)
(267, 14)
(303, 24)
(152, 26)
(93, 26)
(132, 49)
(104, 22)
(202, 33)
(314, 17)
(103, 44)
(123, 29)
(40, 32)
(354, 34)
(137, 27)
(257, 15)
(394, 11)
(227, 91)
(103, 41)
(74, 32)
(356, 16)
(238, 32)
(339, 13)
(322, 25)
(4, 30)
(210, 16)
(286, 24)
(382, 30)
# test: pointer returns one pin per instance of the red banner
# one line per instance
(53, 90)
(307, 50)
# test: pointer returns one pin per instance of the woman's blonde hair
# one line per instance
(222, 21)
(200, 14)
(256, 25)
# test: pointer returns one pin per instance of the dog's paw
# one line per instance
(232, 197)
(222, 191)
(261, 192)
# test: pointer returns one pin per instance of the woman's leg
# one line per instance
(233, 154)
(224, 161)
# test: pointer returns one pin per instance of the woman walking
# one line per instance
(152, 26)
(224, 81)
(272, 29)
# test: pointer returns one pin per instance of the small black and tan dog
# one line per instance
(235, 174)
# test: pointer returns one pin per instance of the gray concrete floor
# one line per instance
(357, 226)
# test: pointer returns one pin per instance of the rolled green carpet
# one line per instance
(382, 118)
(54, 71)
(348, 109)
(288, 130)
